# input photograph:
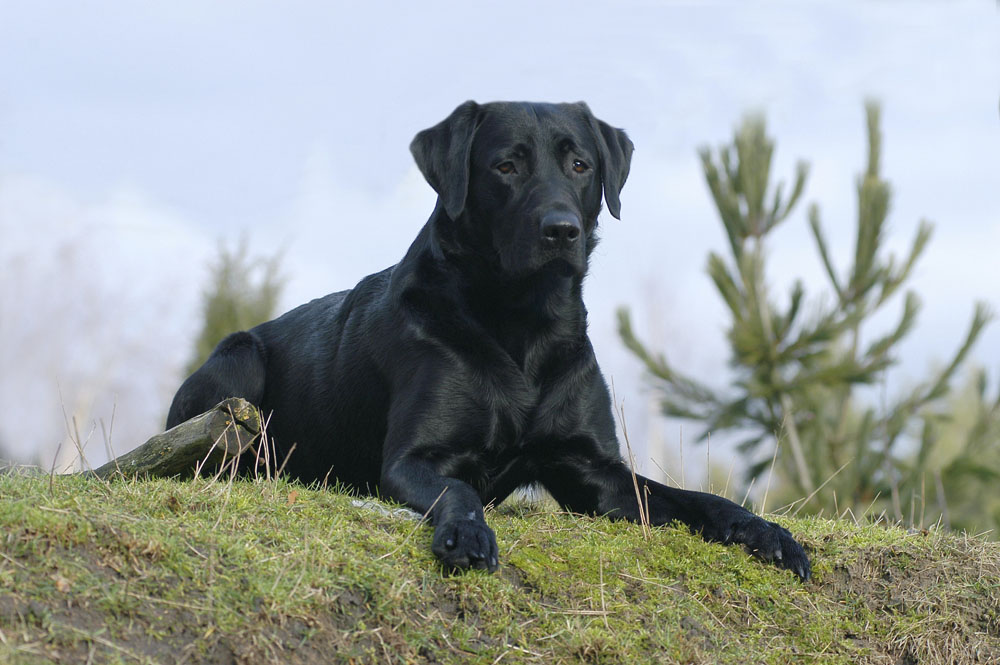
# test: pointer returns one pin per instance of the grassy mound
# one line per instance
(250, 572)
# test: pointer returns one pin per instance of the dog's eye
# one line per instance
(580, 166)
(506, 168)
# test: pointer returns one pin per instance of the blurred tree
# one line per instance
(965, 466)
(243, 292)
(796, 377)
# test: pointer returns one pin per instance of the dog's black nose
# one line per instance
(560, 228)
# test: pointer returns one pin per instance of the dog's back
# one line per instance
(311, 373)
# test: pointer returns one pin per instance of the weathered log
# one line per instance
(208, 440)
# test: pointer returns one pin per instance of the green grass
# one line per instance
(161, 571)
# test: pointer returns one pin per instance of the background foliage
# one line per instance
(243, 292)
(797, 393)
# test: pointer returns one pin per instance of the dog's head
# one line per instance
(521, 183)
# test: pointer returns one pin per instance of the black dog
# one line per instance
(465, 371)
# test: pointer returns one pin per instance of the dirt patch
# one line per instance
(962, 627)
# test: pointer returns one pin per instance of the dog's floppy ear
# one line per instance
(615, 150)
(442, 153)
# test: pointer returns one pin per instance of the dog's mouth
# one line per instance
(524, 254)
(563, 266)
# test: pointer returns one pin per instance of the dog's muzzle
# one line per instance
(560, 230)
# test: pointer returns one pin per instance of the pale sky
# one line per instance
(136, 135)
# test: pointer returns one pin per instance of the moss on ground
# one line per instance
(159, 571)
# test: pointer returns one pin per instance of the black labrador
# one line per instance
(464, 371)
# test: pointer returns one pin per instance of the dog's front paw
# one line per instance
(466, 543)
(773, 543)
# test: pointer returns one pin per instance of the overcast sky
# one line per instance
(134, 136)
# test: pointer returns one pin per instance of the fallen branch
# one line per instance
(205, 441)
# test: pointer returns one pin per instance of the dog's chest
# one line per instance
(514, 404)
(506, 439)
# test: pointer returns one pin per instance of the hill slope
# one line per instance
(214, 572)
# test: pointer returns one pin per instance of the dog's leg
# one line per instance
(236, 368)
(608, 489)
(461, 537)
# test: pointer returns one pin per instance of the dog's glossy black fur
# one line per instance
(465, 371)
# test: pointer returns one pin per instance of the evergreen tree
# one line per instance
(243, 292)
(796, 376)
(965, 466)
